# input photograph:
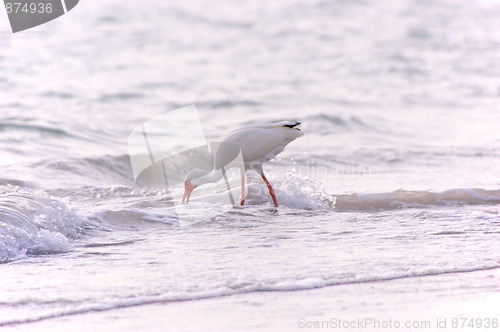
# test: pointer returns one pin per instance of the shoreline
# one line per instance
(422, 301)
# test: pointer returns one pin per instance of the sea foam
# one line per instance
(34, 225)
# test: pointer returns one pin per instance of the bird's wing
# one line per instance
(260, 143)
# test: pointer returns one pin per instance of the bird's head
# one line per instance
(190, 183)
(188, 189)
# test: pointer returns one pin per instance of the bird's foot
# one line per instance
(242, 202)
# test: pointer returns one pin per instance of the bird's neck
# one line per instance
(208, 177)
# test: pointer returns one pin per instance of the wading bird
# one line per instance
(258, 144)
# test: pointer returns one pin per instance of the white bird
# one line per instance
(258, 144)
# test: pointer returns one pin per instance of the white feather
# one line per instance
(261, 143)
(257, 144)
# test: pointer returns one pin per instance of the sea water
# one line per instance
(388, 205)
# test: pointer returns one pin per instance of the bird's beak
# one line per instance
(188, 189)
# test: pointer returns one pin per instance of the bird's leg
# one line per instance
(242, 197)
(271, 190)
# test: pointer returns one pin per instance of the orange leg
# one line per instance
(271, 190)
(242, 197)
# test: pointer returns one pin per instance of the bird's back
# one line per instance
(260, 143)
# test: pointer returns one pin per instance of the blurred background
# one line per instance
(391, 197)
(390, 80)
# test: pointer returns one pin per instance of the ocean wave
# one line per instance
(325, 124)
(31, 126)
(296, 192)
(227, 103)
(101, 170)
(125, 96)
(404, 199)
(34, 225)
(311, 283)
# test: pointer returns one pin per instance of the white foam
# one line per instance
(401, 199)
(31, 225)
(288, 285)
(292, 191)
